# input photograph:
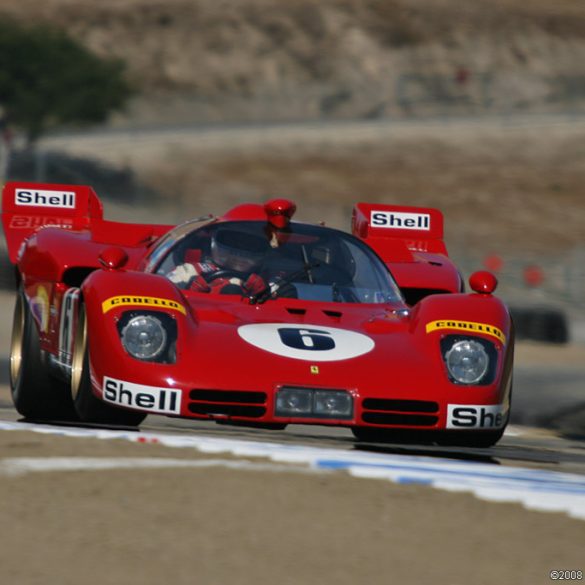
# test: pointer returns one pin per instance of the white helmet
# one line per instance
(237, 250)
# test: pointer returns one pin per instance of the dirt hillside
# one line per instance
(504, 187)
(257, 59)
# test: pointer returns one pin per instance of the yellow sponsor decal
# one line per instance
(468, 326)
(314, 369)
(114, 302)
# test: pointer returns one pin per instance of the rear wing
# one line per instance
(391, 229)
(26, 207)
(410, 242)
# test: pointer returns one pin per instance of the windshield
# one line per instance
(305, 262)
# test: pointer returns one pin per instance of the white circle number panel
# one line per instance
(307, 342)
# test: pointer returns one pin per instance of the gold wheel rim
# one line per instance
(78, 353)
(16, 342)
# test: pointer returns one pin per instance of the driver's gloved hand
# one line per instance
(254, 283)
(279, 287)
(182, 274)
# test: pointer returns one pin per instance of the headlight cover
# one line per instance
(313, 403)
(145, 337)
(469, 361)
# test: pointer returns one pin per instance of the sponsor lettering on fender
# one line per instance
(468, 326)
(472, 416)
(114, 302)
(147, 398)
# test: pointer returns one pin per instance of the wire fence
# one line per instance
(551, 289)
(555, 279)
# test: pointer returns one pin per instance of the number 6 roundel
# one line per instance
(307, 342)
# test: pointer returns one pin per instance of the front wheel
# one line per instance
(35, 392)
(90, 408)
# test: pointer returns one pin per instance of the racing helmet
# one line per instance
(237, 250)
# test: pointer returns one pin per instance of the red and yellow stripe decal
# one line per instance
(121, 300)
(469, 327)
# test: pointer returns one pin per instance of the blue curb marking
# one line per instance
(536, 489)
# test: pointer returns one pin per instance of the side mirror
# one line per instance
(483, 282)
(113, 258)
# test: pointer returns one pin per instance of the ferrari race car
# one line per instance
(253, 319)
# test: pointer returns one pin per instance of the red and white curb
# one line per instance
(536, 489)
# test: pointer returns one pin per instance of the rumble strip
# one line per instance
(534, 488)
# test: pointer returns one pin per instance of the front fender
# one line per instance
(111, 290)
(474, 314)
(481, 315)
(107, 295)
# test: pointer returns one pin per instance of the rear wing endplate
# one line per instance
(399, 230)
(26, 207)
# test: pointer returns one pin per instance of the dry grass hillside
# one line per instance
(257, 59)
(516, 189)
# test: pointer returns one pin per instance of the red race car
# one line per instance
(253, 319)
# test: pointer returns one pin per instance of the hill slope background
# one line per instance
(513, 183)
(268, 59)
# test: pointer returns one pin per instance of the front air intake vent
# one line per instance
(400, 405)
(236, 403)
(396, 412)
(409, 420)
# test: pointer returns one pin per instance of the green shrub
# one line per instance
(48, 79)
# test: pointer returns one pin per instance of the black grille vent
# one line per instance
(411, 420)
(228, 403)
(413, 413)
(400, 405)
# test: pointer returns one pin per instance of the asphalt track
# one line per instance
(547, 430)
(542, 471)
(313, 506)
(521, 446)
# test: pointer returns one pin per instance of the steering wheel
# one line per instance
(222, 273)
(332, 274)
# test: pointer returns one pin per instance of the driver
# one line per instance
(231, 267)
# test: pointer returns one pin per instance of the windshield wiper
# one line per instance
(271, 290)
(307, 265)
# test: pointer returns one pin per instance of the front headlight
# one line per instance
(313, 403)
(144, 337)
(467, 361)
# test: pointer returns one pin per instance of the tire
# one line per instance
(477, 439)
(406, 436)
(89, 408)
(35, 392)
(253, 425)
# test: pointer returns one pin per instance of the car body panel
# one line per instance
(233, 355)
